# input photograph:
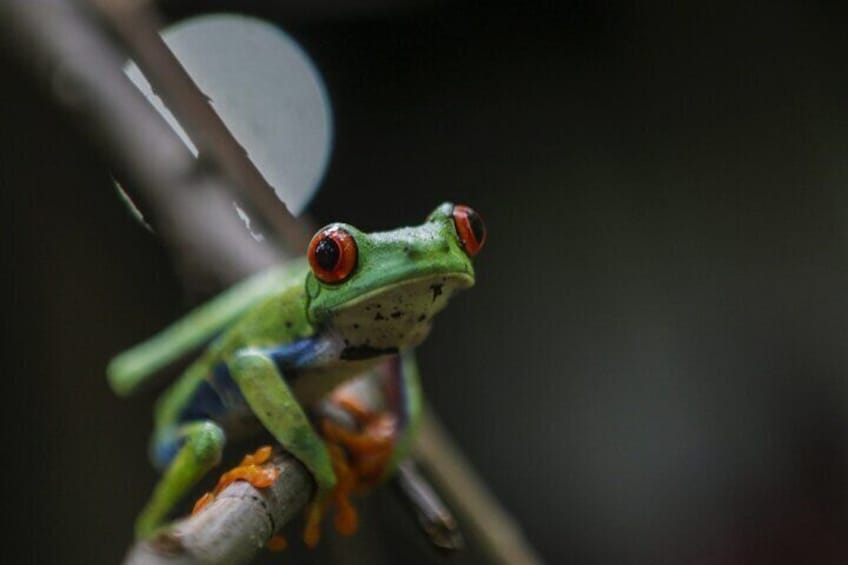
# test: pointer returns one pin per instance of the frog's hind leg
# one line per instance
(186, 453)
(381, 411)
(367, 424)
(133, 367)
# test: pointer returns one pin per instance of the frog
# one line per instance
(333, 330)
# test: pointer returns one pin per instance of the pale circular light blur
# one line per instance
(266, 90)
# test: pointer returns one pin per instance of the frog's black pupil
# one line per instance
(327, 253)
(477, 227)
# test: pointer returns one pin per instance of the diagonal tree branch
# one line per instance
(76, 60)
(241, 519)
(137, 27)
(234, 526)
(501, 537)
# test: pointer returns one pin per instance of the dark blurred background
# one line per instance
(653, 365)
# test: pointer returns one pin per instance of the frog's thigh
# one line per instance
(273, 403)
(383, 436)
(186, 453)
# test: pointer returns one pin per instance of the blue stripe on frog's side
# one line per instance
(206, 403)
(297, 355)
(224, 387)
(215, 397)
(164, 450)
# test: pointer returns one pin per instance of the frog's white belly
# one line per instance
(397, 316)
(314, 383)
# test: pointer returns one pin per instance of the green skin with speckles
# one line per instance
(387, 303)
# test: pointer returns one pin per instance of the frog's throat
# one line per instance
(397, 315)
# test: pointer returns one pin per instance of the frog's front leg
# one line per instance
(265, 390)
(188, 452)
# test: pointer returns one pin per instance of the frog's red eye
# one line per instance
(332, 254)
(470, 228)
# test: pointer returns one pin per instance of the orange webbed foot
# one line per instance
(346, 519)
(359, 455)
(252, 469)
(368, 450)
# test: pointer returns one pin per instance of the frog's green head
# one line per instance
(381, 290)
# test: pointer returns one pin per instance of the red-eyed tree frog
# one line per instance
(285, 342)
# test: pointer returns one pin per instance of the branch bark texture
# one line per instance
(233, 527)
(137, 26)
(501, 537)
(66, 48)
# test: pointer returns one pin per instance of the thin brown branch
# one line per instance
(66, 49)
(234, 526)
(239, 522)
(480, 512)
(137, 26)
(431, 512)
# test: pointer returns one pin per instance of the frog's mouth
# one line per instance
(397, 315)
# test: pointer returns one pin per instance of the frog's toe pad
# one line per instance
(368, 452)
(252, 469)
(347, 519)
(277, 543)
(259, 476)
(258, 457)
(202, 502)
(312, 529)
(346, 481)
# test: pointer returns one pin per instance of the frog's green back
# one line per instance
(132, 367)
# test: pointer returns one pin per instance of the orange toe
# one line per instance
(312, 529)
(347, 520)
(277, 543)
(256, 475)
(202, 502)
(350, 401)
(251, 470)
(258, 457)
